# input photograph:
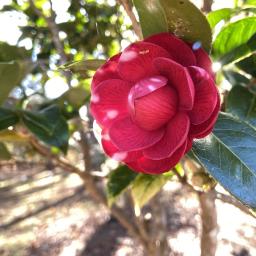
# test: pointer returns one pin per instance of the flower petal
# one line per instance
(110, 101)
(112, 151)
(106, 71)
(127, 136)
(146, 165)
(180, 79)
(175, 136)
(203, 61)
(202, 130)
(136, 61)
(206, 95)
(155, 109)
(179, 50)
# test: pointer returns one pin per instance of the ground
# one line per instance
(45, 212)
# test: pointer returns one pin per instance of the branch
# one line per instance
(230, 200)
(91, 187)
(209, 223)
(53, 29)
(128, 8)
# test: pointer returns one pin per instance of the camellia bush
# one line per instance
(178, 103)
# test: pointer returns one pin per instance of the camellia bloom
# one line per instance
(152, 100)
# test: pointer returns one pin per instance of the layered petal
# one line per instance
(106, 71)
(112, 151)
(179, 50)
(150, 166)
(175, 135)
(206, 95)
(127, 136)
(202, 130)
(203, 61)
(110, 101)
(180, 79)
(136, 61)
(154, 110)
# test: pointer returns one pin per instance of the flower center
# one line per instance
(152, 103)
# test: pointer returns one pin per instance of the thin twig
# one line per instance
(128, 8)
(230, 200)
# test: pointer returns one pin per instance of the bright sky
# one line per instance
(9, 32)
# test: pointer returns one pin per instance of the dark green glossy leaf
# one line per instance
(181, 18)
(248, 65)
(118, 181)
(4, 152)
(7, 118)
(236, 78)
(234, 35)
(215, 17)
(242, 104)
(83, 65)
(145, 187)
(229, 156)
(49, 126)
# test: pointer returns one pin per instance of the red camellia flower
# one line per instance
(152, 100)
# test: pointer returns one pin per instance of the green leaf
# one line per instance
(242, 104)
(229, 156)
(239, 52)
(7, 118)
(10, 52)
(49, 126)
(152, 17)
(250, 2)
(12, 136)
(248, 65)
(215, 17)
(4, 152)
(11, 74)
(118, 182)
(76, 97)
(236, 78)
(234, 35)
(83, 65)
(179, 17)
(145, 187)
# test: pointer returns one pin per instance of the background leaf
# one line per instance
(118, 182)
(147, 186)
(181, 18)
(234, 35)
(248, 65)
(4, 152)
(215, 17)
(7, 118)
(229, 156)
(49, 126)
(242, 104)
(152, 17)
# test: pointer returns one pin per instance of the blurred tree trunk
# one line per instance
(207, 6)
(209, 223)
